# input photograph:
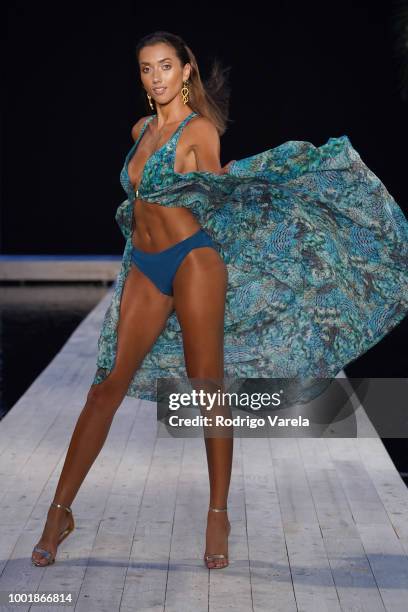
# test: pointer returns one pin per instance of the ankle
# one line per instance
(223, 507)
(57, 515)
(215, 519)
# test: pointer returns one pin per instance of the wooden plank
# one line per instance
(365, 504)
(311, 572)
(147, 574)
(349, 565)
(389, 485)
(57, 268)
(389, 564)
(271, 579)
(352, 573)
(312, 578)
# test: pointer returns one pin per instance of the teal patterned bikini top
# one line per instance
(226, 199)
(159, 168)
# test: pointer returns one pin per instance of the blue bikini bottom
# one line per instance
(161, 267)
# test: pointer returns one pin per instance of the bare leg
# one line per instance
(199, 299)
(143, 314)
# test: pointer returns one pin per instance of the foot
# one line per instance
(218, 528)
(58, 520)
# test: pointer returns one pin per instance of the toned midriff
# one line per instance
(158, 227)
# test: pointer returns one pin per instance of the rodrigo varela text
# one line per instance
(237, 421)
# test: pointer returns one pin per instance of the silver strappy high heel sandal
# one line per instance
(213, 557)
(46, 554)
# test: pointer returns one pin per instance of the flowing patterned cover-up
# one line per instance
(316, 250)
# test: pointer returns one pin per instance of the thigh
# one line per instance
(199, 287)
(144, 311)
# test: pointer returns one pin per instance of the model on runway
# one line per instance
(175, 268)
(289, 263)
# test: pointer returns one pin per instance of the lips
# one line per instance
(159, 90)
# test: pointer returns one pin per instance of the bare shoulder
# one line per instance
(204, 140)
(138, 126)
(204, 127)
(203, 131)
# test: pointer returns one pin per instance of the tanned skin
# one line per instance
(199, 287)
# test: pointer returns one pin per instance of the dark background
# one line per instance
(304, 71)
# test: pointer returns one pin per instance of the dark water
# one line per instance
(35, 322)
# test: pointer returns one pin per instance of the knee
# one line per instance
(209, 369)
(104, 397)
(206, 380)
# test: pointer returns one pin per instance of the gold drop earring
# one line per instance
(185, 91)
(150, 101)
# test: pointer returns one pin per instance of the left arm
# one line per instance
(207, 147)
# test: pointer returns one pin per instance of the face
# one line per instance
(161, 72)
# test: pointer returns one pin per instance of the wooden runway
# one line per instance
(316, 524)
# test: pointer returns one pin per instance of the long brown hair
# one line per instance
(209, 98)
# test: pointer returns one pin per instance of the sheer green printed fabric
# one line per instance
(316, 250)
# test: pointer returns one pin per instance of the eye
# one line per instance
(168, 65)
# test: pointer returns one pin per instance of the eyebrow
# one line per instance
(162, 60)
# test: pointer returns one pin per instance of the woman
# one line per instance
(176, 267)
(291, 263)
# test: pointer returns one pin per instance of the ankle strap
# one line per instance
(218, 509)
(67, 508)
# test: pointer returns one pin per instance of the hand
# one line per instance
(225, 169)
